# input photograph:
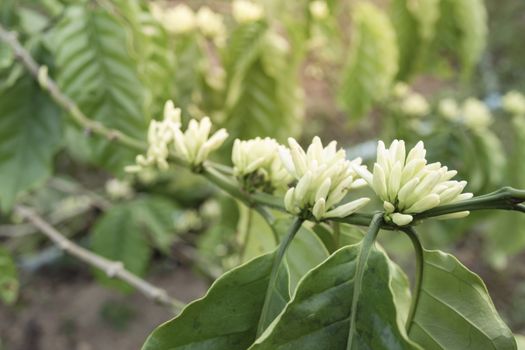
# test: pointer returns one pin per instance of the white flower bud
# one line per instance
(347, 209)
(514, 102)
(408, 185)
(260, 158)
(401, 219)
(476, 114)
(245, 11)
(449, 109)
(319, 9)
(319, 208)
(324, 177)
(400, 90)
(179, 19)
(118, 189)
(415, 105)
(210, 23)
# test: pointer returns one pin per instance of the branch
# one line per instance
(114, 269)
(10, 38)
(506, 198)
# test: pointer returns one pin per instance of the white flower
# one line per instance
(319, 9)
(414, 105)
(324, 177)
(245, 11)
(160, 134)
(514, 103)
(211, 23)
(400, 90)
(179, 19)
(476, 114)
(117, 189)
(408, 185)
(449, 109)
(256, 163)
(195, 144)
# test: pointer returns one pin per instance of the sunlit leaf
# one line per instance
(227, 316)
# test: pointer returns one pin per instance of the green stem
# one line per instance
(265, 320)
(246, 235)
(411, 233)
(362, 258)
(506, 198)
(337, 234)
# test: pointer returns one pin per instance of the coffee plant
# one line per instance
(195, 116)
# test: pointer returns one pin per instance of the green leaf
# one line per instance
(262, 89)
(227, 316)
(372, 65)
(30, 133)
(117, 235)
(521, 341)
(454, 309)
(158, 217)
(318, 315)
(8, 278)
(409, 39)
(96, 70)
(305, 252)
(471, 19)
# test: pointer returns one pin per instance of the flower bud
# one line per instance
(245, 11)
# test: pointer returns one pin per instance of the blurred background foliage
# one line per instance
(354, 71)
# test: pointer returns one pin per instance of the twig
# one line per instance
(114, 269)
(506, 199)
(60, 98)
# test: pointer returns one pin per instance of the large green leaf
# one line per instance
(30, 133)
(454, 309)
(471, 19)
(8, 278)
(122, 233)
(305, 252)
(318, 315)
(227, 316)
(373, 60)
(96, 70)
(415, 23)
(262, 85)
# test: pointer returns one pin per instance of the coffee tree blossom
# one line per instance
(407, 185)
(245, 11)
(514, 102)
(257, 165)
(160, 134)
(324, 177)
(179, 19)
(448, 108)
(211, 24)
(476, 115)
(195, 144)
(414, 105)
(319, 9)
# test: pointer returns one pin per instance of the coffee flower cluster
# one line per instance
(193, 145)
(257, 165)
(408, 185)
(182, 19)
(409, 102)
(513, 102)
(245, 11)
(324, 177)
